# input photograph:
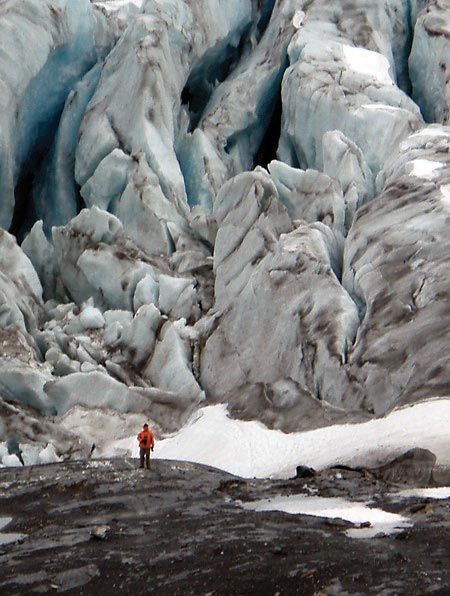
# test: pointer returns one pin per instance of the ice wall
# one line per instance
(227, 201)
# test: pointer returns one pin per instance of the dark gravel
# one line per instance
(105, 527)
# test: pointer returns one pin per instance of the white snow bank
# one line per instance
(249, 449)
(358, 513)
(441, 492)
(445, 191)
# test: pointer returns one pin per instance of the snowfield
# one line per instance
(251, 450)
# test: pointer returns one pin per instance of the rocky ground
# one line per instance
(104, 526)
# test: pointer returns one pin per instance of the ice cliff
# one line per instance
(235, 201)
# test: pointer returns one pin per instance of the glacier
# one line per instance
(237, 202)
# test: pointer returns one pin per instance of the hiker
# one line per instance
(146, 442)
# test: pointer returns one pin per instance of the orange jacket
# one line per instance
(146, 439)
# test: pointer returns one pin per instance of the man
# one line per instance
(146, 442)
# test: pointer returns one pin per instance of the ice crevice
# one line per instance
(227, 138)
(158, 53)
(62, 55)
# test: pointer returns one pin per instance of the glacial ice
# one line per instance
(344, 161)
(20, 293)
(146, 212)
(16, 265)
(324, 91)
(170, 367)
(41, 254)
(381, 26)
(93, 389)
(401, 278)
(176, 296)
(33, 94)
(429, 62)
(147, 68)
(228, 138)
(310, 195)
(117, 323)
(276, 293)
(91, 318)
(55, 194)
(147, 292)
(250, 220)
(139, 336)
(231, 201)
(48, 455)
(25, 386)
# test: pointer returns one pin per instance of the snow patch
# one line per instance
(369, 63)
(441, 492)
(423, 168)
(249, 449)
(381, 522)
(445, 191)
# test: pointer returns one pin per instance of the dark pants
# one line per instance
(145, 453)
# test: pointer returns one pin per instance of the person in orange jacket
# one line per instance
(146, 442)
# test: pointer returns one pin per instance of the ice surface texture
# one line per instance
(227, 201)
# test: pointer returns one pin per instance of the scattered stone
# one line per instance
(99, 532)
(304, 472)
(403, 535)
(417, 507)
(337, 522)
(226, 486)
(414, 467)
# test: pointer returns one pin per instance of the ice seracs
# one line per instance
(284, 321)
(55, 192)
(230, 131)
(137, 104)
(23, 385)
(94, 389)
(324, 91)
(310, 195)
(429, 62)
(222, 201)
(396, 267)
(20, 287)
